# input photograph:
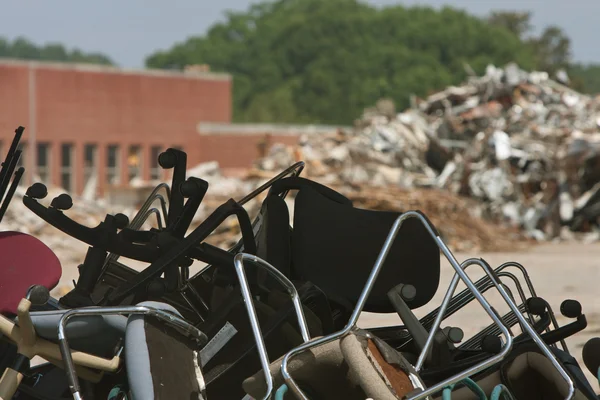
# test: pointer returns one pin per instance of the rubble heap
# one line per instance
(507, 153)
(521, 144)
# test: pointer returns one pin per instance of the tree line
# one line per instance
(23, 49)
(314, 61)
(325, 61)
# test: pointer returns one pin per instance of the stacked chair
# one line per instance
(273, 317)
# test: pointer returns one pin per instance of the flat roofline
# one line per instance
(83, 67)
(210, 128)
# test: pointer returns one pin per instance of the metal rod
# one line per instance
(459, 301)
(488, 270)
(172, 319)
(460, 274)
(474, 343)
(367, 290)
(509, 322)
(32, 110)
(531, 331)
(139, 219)
(520, 267)
(154, 211)
(295, 170)
(519, 290)
(8, 169)
(254, 323)
(11, 192)
(141, 216)
(509, 319)
(192, 289)
(12, 150)
(523, 271)
(465, 297)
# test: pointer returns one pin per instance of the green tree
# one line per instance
(325, 61)
(553, 49)
(587, 77)
(518, 23)
(22, 48)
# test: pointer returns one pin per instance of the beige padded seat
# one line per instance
(357, 367)
(352, 368)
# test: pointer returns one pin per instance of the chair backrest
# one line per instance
(24, 261)
(161, 363)
(334, 245)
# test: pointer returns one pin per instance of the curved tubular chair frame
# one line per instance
(474, 341)
(179, 323)
(426, 392)
(520, 290)
(142, 216)
(458, 301)
(460, 274)
(521, 294)
(523, 271)
(154, 211)
(513, 320)
(528, 328)
(138, 220)
(483, 284)
(465, 296)
(258, 337)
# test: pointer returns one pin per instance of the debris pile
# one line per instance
(460, 227)
(504, 154)
(523, 145)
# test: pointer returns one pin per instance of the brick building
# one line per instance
(88, 122)
(104, 127)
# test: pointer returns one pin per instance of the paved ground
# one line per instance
(558, 271)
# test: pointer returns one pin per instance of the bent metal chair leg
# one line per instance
(258, 337)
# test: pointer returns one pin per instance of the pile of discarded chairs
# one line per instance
(274, 317)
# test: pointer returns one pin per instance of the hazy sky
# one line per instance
(129, 30)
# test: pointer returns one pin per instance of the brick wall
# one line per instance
(236, 146)
(237, 151)
(82, 106)
(79, 105)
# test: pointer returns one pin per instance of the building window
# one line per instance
(134, 163)
(90, 163)
(154, 167)
(43, 162)
(113, 173)
(66, 167)
(23, 147)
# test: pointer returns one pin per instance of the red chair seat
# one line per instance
(24, 261)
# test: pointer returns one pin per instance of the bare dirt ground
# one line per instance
(558, 272)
